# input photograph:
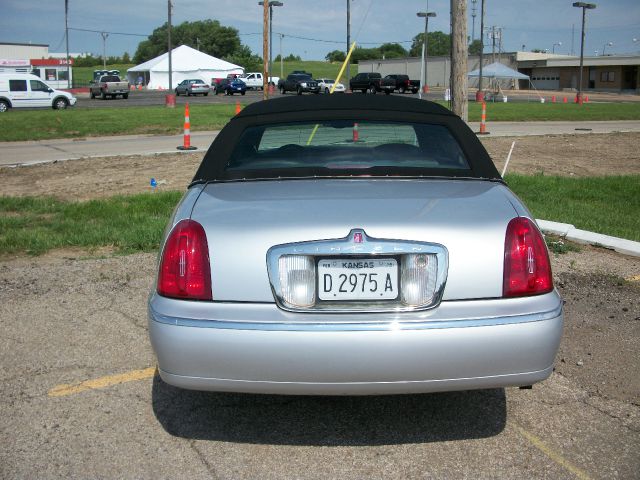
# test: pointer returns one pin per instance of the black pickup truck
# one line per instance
(401, 83)
(299, 83)
(366, 82)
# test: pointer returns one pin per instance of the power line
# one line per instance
(110, 33)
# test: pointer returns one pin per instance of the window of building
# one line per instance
(50, 74)
(18, 85)
(36, 72)
(62, 75)
(607, 76)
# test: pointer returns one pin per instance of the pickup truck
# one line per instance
(253, 80)
(108, 86)
(401, 83)
(366, 82)
(299, 83)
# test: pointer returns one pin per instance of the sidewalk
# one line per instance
(28, 153)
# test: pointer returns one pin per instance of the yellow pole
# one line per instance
(344, 65)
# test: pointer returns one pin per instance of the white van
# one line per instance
(26, 90)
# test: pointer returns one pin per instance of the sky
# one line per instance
(321, 24)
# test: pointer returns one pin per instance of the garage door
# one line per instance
(545, 78)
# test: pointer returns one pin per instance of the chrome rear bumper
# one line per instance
(259, 348)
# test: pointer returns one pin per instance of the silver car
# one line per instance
(352, 245)
(326, 84)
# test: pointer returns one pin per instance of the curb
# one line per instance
(570, 232)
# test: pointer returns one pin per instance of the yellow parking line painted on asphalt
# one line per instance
(102, 382)
(549, 452)
(635, 278)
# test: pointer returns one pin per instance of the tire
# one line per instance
(372, 90)
(125, 96)
(60, 103)
(243, 93)
(177, 93)
(103, 96)
(401, 90)
(282, 91)
(91, 94)
(364, 91)
(387, 92)
(326, 90)
(299, 91)
(206, 94)
(415, 90)
(4, 106)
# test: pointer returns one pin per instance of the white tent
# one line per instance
(186, 62)
(498, 70)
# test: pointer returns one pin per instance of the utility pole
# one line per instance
(493, 44)
(479, 94)
(105, 35)
(473, 15)
(584, 6)
(348, 40)
(66, 36)
(170, 99)
(459, 54)
(265, 50)
(281, 67)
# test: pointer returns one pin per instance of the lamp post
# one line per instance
(473, 23)
(423, 74)
(553, 48)
(271, 5)
(608, 44)
(105, 35)
(584, 6)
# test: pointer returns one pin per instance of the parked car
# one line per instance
(308, 257)
(400, 83)
(232, 85)
(326, 84)
(19, 90)
(108, 86)
(193, 86)
(299, 83)
(366, 82)
(254, 80)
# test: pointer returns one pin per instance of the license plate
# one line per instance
(357, 279)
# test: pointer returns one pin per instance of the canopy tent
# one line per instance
(498, 70)
(186, 62)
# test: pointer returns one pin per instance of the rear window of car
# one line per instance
(334, 146)
(110, 78)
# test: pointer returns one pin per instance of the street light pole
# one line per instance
(479, 94)
(473, 24)
(425, 48)
(105, 35)
(553, 48)
(348, 42)
(584, 7)
(608, 44)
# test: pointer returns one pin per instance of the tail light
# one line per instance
(184, 266)
(527, 270)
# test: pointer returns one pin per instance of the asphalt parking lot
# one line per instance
(82, 399)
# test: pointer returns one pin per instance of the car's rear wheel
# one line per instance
(177, 92)
(4, 106)
(372, 90)
(243, 93)
(401, 89)
(206, 93)
(282, 91)
(125, 96)
(92, 94)
(103, 96)
(387, 92)
(326, 90)
(60, 103)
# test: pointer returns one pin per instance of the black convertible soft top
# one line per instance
(310, 108)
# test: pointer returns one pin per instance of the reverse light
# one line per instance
(418, 279)
(527, 270)
(184, 267)
(297, 280)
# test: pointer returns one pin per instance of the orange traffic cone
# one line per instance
(356, 134)
(238, 108)
(564, 100)
(586, 98)
(553, 99)
(186, 143)
(483, 119)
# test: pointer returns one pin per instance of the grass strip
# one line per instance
(608, 205)
(19, 125)
(530, 112)
(126, 223)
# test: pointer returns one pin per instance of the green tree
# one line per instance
(439, 44)
(208, 36)
(244, 58)
(336, 56)
(474, 48)
(126, 58)
(392, 50)
(365, 54)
